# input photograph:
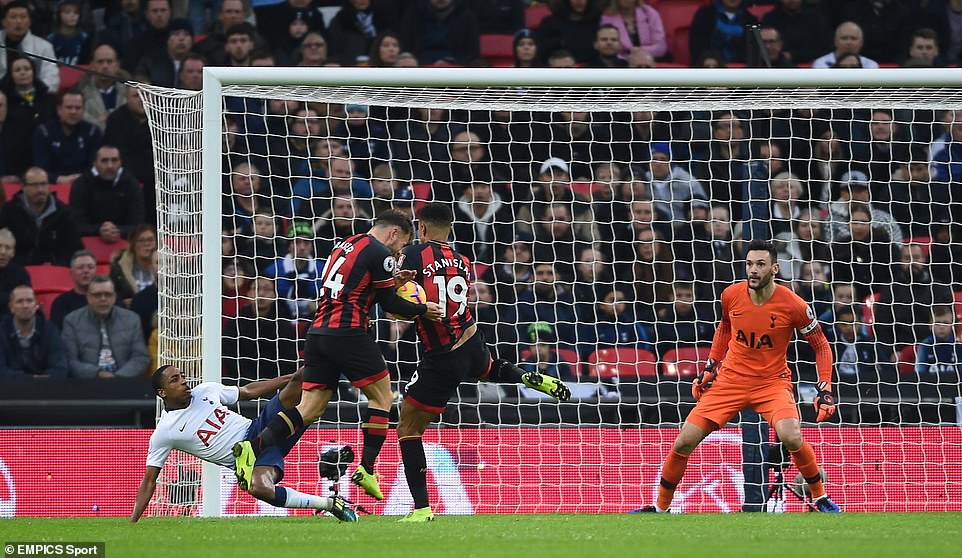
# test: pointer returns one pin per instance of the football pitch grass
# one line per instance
(503, 536)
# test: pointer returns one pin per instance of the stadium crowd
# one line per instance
(594, 235)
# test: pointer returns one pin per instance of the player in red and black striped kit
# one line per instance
(360, 271)
(453, 349)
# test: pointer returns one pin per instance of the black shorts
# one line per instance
(439, 375)
(326, 357)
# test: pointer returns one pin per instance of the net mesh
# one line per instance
(603, 223)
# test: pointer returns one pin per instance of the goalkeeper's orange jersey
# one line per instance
(758, 336)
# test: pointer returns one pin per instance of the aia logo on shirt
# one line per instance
(211, 427)
(754, 341)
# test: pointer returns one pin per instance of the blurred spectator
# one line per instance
(639, 58)
(721, 27)
(132, 269)
(561, 59)
(483, 223)
(387, 190)
(703, 249)
(103, 95)
(863, 253)
(525, 50)
(239, 42)
(237, 277)
(813, 284)
(544, 357)
(27, 95)
(274, 20)
(786, 204)
(558, 237)
(917, 202)
(513, 271)
(902, 311)
(808, 243)
(612, 323)
(570, 27)
(313, 51)
(946, 152)
(638, 25)
(848, 60)
(445, 30)
(830, 159)
(495, 321)
(128, 130)
(854, 188)
(406, 60)
(843, 294)
(162, 66)
(419, 143)
(245, 198)
(145, 302)
(16, 35)
(857, 355)
(682, 322)
(157, 14)
(885, 24)
(878, 156)
(105, 200)
(70, 42)
(571, 140)
(298, 273)
(83, 267)
(946, 253)
(470, 161)
(44, 226)
(593, 276)
(924, 48)
(711, 59)
(385, 50)
(124, 25)
(774, 49)
(342, 182)
(848, 40)
(651, 274)
(12, 274)
(353, 30)
(211, 47)
(103, 340)
(802, 28)
(30, 346)
(939, 356)
(344, 219)
(365, 139)
(627, 229)
(548, 302)
(607, 47)
(190, 76)
(672, 187)
(266, 245)
(14, 152)
(727, 167)
(499, 16)
(65, 146)
(260, 342)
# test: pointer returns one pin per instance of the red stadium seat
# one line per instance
(676, 18)
(497, 48)
(759, 11)
(45, 300)
(534, 14)
(62, 191)
(422, 194)
(50, 278)
(685, 362)
(10, 190)
(622, 362)
(924, 241)
(103, 269)
(101, 250)
(567, 356)
(70, 77)
(906, 364)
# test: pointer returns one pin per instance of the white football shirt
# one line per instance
(206, 428)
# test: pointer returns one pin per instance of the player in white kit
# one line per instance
(197, 422)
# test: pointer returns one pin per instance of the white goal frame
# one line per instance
(216, 78)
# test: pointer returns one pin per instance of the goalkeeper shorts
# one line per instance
(774, 399)
(357, 357)
(439, 374)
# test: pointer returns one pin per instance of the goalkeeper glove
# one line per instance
(824, 402)
(704, 380)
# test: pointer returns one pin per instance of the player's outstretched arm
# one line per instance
(261, 388)
(825, 400)
(145, 492)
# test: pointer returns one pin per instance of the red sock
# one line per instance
(804, 458)
(671, 473)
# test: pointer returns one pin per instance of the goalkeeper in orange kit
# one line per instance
(747, 367)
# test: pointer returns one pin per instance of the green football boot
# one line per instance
(547, 384)
(368, 482)
(419, 515)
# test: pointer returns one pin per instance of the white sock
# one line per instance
(297, 499)
(659, 510)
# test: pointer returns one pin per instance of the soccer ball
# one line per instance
(411, 292)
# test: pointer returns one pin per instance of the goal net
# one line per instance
(604, 214)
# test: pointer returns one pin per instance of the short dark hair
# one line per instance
(71, 91)
(393, 217)
(243, 28)
(17, 4)
(765, 245)
(157, 378)
(437, 214)
(925, 33)
(604, 26)
(846, 310)
(82, 254)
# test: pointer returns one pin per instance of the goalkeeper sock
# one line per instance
(375, 432)
(671, 473)
(804, 458)
(290, 498)
(281, 427)
(415, 469)
(503, 372)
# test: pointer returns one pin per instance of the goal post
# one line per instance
(190, 148)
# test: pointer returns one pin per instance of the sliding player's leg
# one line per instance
(380, 398)
(264, 487)
(504, 372)
(412, 423)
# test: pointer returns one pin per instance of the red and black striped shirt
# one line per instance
(358, 267)
(446, 278)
